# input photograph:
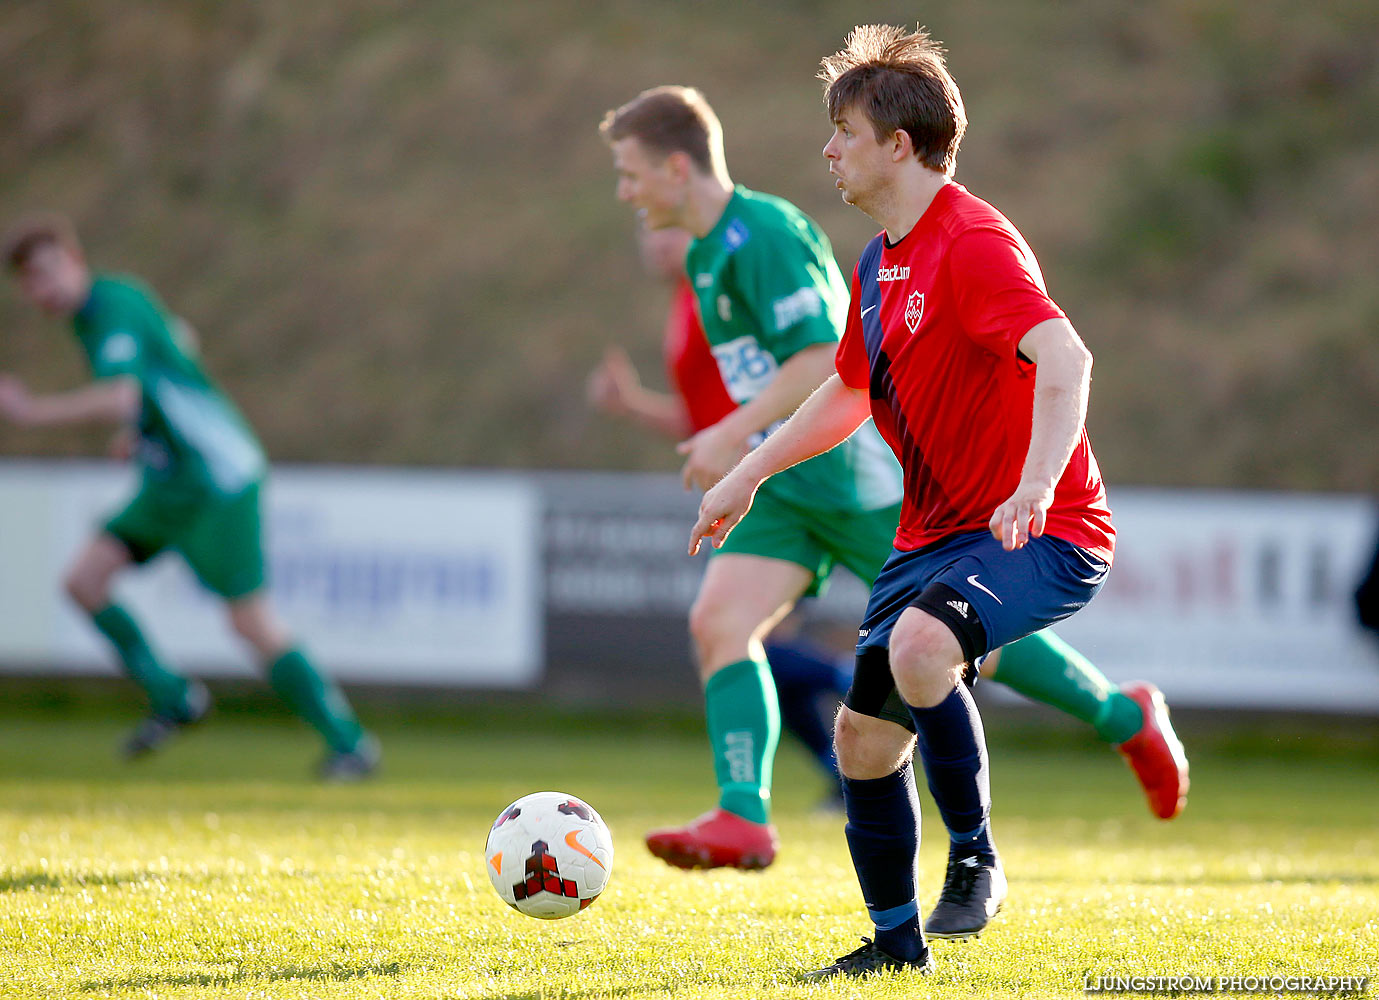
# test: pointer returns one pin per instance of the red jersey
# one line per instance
(691, 365)
(932, 333)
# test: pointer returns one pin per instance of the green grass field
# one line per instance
(219, 870)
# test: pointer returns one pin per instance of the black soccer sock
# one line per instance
(883, 837)
(952, 745)
(807, 686)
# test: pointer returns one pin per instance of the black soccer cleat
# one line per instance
(159, 727)
(870, 959)
(342, 767)
(972, 894)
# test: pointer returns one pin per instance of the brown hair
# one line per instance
(25, 237)
(899, 81)
(670, 120)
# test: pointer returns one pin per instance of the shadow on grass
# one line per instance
(800, 978)
(606, 991)
(24, 881)
(330, 974)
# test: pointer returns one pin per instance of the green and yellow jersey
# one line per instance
(768, 286)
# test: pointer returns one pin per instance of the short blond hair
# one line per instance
(670, 120)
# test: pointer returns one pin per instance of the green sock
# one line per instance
(166, 691)
(744, 728)
(1045, 668)
(317, 699)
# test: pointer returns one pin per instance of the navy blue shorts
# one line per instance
(987, 596)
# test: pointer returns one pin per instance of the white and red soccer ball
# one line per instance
(549, 855)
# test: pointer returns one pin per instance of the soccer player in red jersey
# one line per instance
(700, 399)
(979, 383)
(1041, 667)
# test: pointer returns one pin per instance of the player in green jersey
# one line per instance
(202, 471)
(773, 305)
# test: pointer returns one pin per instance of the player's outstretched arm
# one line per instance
(1061, 383)
(112, 400)
(616, 388)
(714, 450)
(831, 413)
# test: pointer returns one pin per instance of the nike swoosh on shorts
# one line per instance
(973, 580)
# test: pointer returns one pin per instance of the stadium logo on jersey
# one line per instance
(914, 310)
(798, 305)
(897, 273)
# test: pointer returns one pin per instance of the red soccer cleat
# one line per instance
(1155, 753)
(717, 839)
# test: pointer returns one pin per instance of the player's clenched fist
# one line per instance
(722, 507)
(612, 385)
(709, 455)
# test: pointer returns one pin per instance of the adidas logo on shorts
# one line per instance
(959, 606)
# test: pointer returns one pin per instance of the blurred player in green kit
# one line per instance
(201, 473)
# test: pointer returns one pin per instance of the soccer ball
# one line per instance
(549, 855)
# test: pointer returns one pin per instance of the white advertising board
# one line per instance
(1224, 599)
(1236, 599)
(388, 576)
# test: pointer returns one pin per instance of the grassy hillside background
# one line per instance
(394, 224)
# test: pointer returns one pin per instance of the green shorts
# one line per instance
(220, 538)
(815, 539)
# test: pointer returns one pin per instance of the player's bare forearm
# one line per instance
(1061, 383)
(109, 401)
(828, 417)
(800, 375)
(715, 450)
(615, 388)
(660, 412)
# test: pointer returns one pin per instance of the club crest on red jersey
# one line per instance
(914, 310)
